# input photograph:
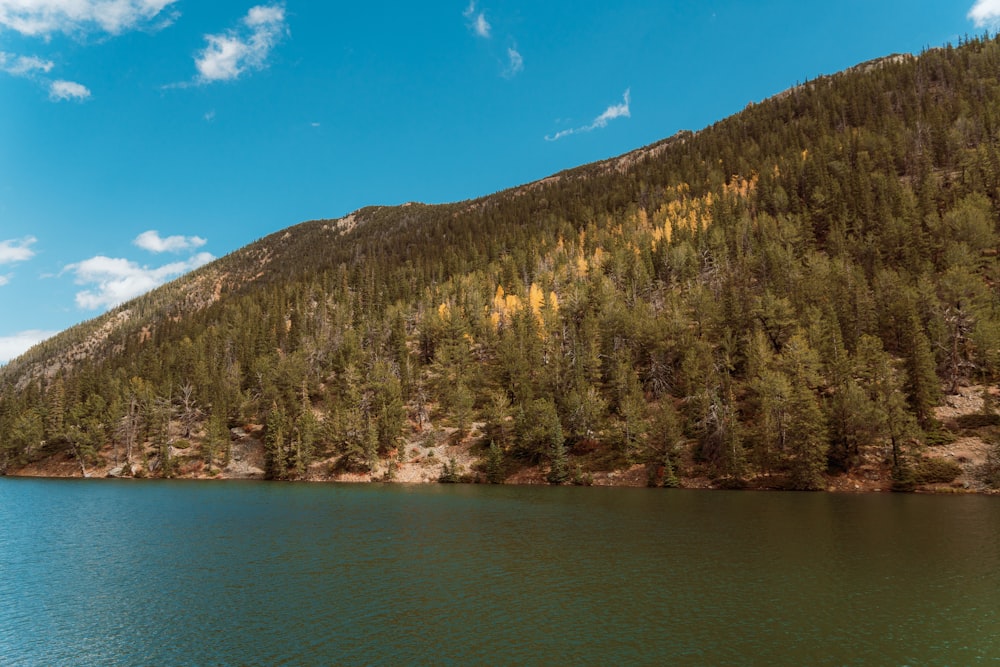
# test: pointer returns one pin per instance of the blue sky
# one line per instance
(141, 138)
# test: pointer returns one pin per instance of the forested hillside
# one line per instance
(777, 300)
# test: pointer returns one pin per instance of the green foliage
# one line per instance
(558, 472)
(670, 480)
(581, 478)
(495, 465)
(499, 421)
(538, 431)
(276, 443)
(24, 437)
(387, 405)
(450, 472)
(217, 443)
(904, 479)
(936, 471)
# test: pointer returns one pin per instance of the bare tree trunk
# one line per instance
(128, 431)
(79, 458)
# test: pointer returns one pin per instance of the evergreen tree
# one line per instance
(216, 442)
(387, 404)
(538, 433)
(558, 472)
(276, 443)
(923, 386)
(495, 464)
(807, 433)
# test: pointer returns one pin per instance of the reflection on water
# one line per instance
(174, 573)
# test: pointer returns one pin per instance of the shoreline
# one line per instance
(686, 484)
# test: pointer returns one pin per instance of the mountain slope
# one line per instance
(780, 299)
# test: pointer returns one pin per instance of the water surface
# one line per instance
(230, 573)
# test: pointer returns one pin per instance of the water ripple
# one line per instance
(156, 573)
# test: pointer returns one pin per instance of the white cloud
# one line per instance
(23, 65)
(229, 55)
(477, 22)
(515, 63)
(17, 250)
(61, 90)
(264, 15)
(152, 242)
(4, 280)
(117, 280)
(612, 112)
(985, 13)
(19, 343)
(482, 26)
(41, 18)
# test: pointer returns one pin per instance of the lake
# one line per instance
(233, 573)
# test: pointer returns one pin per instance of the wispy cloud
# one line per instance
(477, 21)
(61, 90)
(612, 112)
(41, 18)
(985, 13)
(230, 54)
(482, 26)
(115, 280)
(19, 343)
(23, 65)
(17, 250)
(153, 242)
(515, 62)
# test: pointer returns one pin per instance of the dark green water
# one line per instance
(163, 573)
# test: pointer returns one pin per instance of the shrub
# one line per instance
(450, 472)
(977, 420)
(939, 436)
(936, 471)
(581, 478)
(904, 479)
(730, 483)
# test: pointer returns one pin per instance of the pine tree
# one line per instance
(306, 428)
(538, 432)
(923, 386)
(495, 465)
(387, 404)
(276, 443)
(159, 426)
(216, 441)
(499, 426)
(558, 472)
(892, 420)
(807, 434)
